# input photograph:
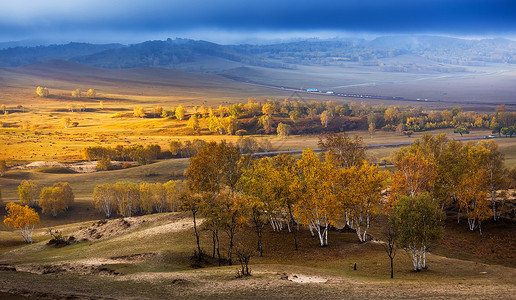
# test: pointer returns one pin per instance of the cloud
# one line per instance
(52, 18)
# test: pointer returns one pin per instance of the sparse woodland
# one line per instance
(230, 191)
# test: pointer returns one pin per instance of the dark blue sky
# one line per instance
(131, 21)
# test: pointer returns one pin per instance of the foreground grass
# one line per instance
(170, 271)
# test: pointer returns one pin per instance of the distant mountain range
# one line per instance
(204, 56)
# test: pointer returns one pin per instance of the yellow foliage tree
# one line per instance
(268, 109)
(317, 206)
(104, 199)
(283, 130)
(474, 187)
(367, 183)
(42, 91)
(180, 112)
(23, 218)
(67, 193)
(415, 174)
(29, 191)
(77, 93)
(52, 201)
(193, 122)
(66, 122)
(91, 93)
(127, 198)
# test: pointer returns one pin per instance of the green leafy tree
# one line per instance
(461, 130)
(417, 223)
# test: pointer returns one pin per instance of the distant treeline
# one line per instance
(315, 117)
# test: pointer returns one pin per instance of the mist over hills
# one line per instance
(450, 54)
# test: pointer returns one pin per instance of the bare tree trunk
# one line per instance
(294, 223)
(199, 253)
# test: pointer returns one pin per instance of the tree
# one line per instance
(268, 109)
(344, 151)
(325, 118)
(317, 205)
(256, 184)
(415, 174)
(461, 130)
(91, 93)
(365, 196)
(127, 198)
(417, 223)
(23, 218)
(230, 211)
(52, 201)
(214, 168)
(29, 191)
(192, 203)
(66, 122)
(42, 91)
(77, 93)
(139, 112)
(180, 112)
(390, 246)
(67, 193)
(474, 187)
(104, 199)
(193, 122)
(3, 168)
(495, 170)
(283, 130)
(371, 129)
(266, 122)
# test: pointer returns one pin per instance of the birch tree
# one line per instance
(366, 192)
(495, 173)
(127, 198)
(29, 191)
(104, 199)
(417, 223)
(52, 201)
(23, 218)
(317, 206)
(344, 151)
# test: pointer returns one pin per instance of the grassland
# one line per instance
(158, 265)
(153, 255)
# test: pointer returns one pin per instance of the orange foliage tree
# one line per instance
(23, 218)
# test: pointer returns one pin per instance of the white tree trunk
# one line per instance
(471, 224)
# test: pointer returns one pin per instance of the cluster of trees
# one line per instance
(230, 191)
(52, 200)
(127, 198)
(77, 93)
(267, 115)
(464, 176)
(139, 153)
